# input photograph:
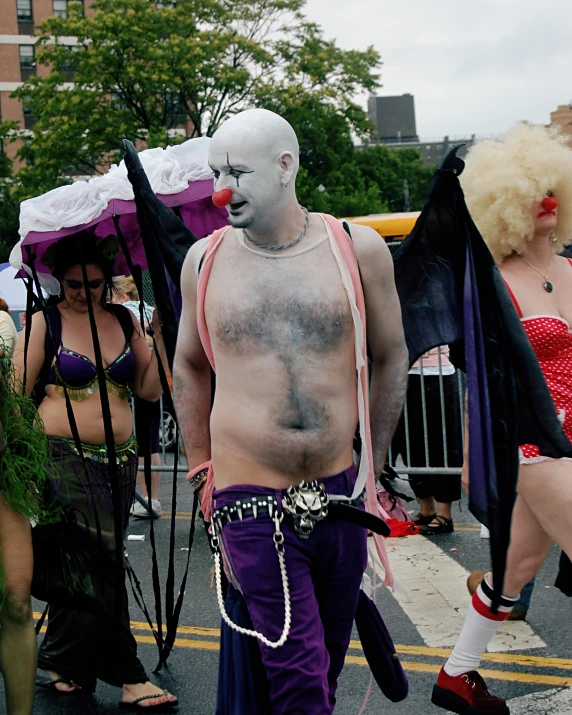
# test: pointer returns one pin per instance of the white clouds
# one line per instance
(474, 66)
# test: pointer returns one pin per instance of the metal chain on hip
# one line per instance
(281, 246)
(278, 537)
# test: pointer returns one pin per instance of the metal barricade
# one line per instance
(430, 435)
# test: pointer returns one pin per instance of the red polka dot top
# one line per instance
(551, 340)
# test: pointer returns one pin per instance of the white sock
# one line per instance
(480, 626)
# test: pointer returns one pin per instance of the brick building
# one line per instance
(18, 20)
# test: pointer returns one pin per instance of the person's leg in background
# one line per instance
(413, 451)
(523, 604)
(147, 426)
(443, 431)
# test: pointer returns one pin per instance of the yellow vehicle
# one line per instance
(391, 227)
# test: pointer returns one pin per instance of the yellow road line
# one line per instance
(532, 661)
(189, 630)
(510, 676)
(183, 643)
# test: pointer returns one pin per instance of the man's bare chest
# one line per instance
(278, 306)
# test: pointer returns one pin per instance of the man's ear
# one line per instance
(287, 165)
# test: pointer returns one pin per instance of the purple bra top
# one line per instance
(78, 372)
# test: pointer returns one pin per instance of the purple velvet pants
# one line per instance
(324, 574)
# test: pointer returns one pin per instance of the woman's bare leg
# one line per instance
(529, 546)
(18, 649)
(547, 489)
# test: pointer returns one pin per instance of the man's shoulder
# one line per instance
(194, 255)
(192, 262)
(199, 246)
(369, 245)
(364, 233)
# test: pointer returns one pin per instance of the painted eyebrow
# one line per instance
(235, 167)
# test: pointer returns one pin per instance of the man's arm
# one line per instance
(386, 341)
(191, 371)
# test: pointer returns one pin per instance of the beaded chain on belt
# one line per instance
(98, 452)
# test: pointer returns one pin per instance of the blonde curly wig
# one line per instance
(504, 177)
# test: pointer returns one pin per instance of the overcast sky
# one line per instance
(474, 66)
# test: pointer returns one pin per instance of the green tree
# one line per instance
(142, 72)
(9, 206)
(387, 169)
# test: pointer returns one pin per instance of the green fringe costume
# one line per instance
(24, 454)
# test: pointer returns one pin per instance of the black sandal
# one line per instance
(445, 526)
(420, 520)
(134, 706)
(51, 686)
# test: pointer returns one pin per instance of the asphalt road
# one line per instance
(416, 620)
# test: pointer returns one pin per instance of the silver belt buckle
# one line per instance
(306, 504)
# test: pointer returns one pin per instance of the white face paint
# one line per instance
(247, 156)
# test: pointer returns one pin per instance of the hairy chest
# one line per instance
(278, 306)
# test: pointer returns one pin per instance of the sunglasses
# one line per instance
(78, 285)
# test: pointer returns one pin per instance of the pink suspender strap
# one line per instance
(347, 250)
(203, 279)
(213, 243)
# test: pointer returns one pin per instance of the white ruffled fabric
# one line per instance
(170, 171)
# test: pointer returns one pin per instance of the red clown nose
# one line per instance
(549, 203)
(222, 198)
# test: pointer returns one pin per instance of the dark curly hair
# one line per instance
(82, 247)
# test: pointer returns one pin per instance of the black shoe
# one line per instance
(421, 520)
(444, 526)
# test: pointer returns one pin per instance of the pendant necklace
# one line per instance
(547, 285)
(281, 246)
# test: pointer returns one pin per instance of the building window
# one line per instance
(29, 118)
(27, 58)
(24, 10)
(61, 7)
(70, 62)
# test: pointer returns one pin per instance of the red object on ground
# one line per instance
(222, 198)
(549, 203)
(402, 528)
(467, 694)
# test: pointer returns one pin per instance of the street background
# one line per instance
(423, 622)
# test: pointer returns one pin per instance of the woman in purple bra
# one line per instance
(79, 648)
(519, 193)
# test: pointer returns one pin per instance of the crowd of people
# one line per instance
(289, 309)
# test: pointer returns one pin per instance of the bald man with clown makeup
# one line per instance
(282, 304)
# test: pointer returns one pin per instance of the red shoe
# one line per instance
(466, 694)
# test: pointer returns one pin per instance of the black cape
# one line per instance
(452, 293)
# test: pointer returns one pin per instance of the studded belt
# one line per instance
(306, 504)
